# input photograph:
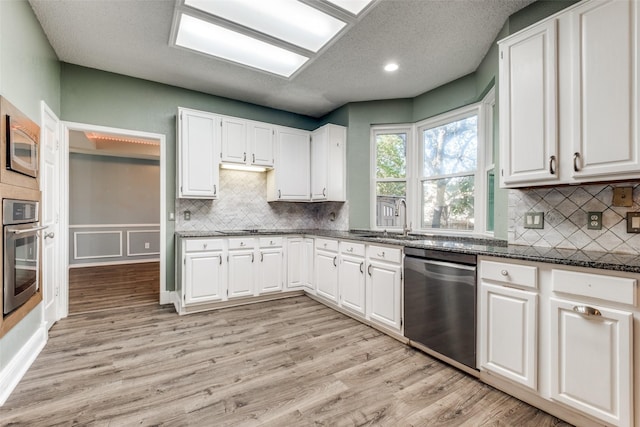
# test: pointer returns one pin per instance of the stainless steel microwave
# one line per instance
(22, 147)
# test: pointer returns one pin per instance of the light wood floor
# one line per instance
(113, 286)
(291, 362)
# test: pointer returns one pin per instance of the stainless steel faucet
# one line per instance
(405, 228)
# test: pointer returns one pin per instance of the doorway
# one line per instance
(115, 196)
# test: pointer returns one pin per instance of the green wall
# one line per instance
(29, 72)
(100, 98)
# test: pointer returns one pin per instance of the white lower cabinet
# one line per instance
(326, 269)
(308, 271)
(508, 327)
(270, 265)
(241, 273)
(384, 286)
(591, 360)
(295, 262)
(204, 281)
(351, 277)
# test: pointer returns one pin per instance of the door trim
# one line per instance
(165, 297)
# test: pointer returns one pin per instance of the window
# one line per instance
(445, 172)
(390, 174)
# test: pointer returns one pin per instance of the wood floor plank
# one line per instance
(290, 362)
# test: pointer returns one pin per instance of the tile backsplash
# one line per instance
(565, 218)
(243, 205)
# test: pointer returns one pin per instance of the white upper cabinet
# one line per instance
(198, 148)
(604, 89)
(328, 163)
(528, 106)
(569, 97)
(247, 142)
(289, 181)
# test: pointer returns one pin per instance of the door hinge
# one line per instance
(501, 172)
(184, 260)
(181, 188)
(57, 291)
(227, 258)
(220, 124)
(501, 55)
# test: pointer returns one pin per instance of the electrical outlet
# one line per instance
(146, 245)
(534, 220)
(594, 220)
(187, 215)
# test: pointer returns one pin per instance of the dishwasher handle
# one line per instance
(449, 264)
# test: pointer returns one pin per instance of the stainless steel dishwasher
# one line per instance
(440, 302)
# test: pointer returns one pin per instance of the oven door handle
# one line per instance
(28, 230)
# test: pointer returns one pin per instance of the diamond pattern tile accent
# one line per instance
(565, 213)
(243, 205)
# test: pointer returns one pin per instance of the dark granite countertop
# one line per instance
(489, 247)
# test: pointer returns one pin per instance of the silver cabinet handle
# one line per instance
(504, 272)
(350, 249)
(585, 310)
(369, 269)
(253, 158)
(215, 189)
(362, 267)
(576, 156)
(220, 259)
(245, 157)
(279, 194)
(271, 242)
(381, 254)
(49, 235)
(324, 192)
(251, 256)
(241, 243)
(261, 256)
(335, 259)
(204, 246)
(552, 165)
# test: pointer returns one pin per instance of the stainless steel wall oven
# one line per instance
(21, 252)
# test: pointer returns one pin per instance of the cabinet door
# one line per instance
(528, 107)
(337, 164)
(383, 293)
(292, 165)
(270, 270)
(198, 155)
(234, 140)
(204, 277)
(261, 141)
(308, 270)
(508, 333)
(295, 262)
(605, 88)
(591, 360)
(352, 283)
(319, 164)
(241, 273)
(326, 268)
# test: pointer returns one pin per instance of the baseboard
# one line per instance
(11, 375)
(103, 263)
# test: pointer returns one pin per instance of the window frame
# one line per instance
(485, 163)
(385, 130)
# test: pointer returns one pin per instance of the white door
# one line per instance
(203, 277)
(508, 319)
(351, 282)
(384, 293)
(319, 159)
(261, 137)
(241, 277)
(234, 140)
(50, 206)
(605, 88)
(292, 170)
(326, 267)
(198, 152)
(528, 106)
(591, 360)
(270, 275)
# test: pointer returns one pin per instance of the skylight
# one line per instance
(276, 36)
(290, 21)
(212, 39)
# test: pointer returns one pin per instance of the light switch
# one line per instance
(187, 215)
(534, 220)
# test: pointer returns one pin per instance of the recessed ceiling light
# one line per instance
(290, 21)
(392, 66)
(353, 6)
(215, 40)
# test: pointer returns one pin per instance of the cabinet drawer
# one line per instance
(352, 248)
(385, 254)
(242, 243)
(193, 245)
(524, 276)
(607, 288)
(270, 242)
(326, 244)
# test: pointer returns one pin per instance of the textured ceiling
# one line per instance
(433, 41)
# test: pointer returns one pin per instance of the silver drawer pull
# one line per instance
(350, 250)
(504, 272)
(586, 310)
(381, 254)
(204, 245)
(241, 243)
